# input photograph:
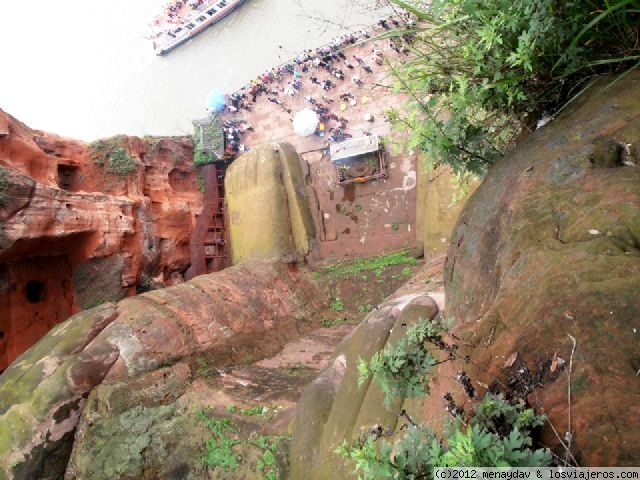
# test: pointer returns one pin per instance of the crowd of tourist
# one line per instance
(173, 12)
(233, 130)
(323, 67)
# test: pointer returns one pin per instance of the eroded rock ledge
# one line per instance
(154, 339)
(75, 233)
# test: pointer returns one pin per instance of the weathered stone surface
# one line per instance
(151, 426)
(334, 408)
(251, 309)
(440, 200)
(94, 234)
(548, 248)
(268, 209)
(132, 429)
(39, 407)
(98, 280)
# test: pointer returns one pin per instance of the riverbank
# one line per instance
(103, 79)
(349, 84)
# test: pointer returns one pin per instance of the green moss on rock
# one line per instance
(269, 215)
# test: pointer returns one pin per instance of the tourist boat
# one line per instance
(184, 19)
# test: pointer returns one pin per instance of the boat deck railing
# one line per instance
(198, 17)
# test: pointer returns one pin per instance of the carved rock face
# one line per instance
(548, 249)
(128, 363)
(76, 231)
(269, 214)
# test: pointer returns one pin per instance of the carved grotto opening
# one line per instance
(35, 295)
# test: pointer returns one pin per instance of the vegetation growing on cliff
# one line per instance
(120, 162)
(483, 71)
(219, 451)
(228, 450)
(215, 133)
(111, 154)
(402, 369)
(498, 434)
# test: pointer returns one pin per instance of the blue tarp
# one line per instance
(215, 101)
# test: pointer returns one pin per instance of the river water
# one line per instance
(83, 69)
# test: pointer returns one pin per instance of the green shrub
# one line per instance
(484, 70)
(401, 369)
(499, 434)
(97, 151)
(476, 445)
(270, 446)
(120, 162)
(112, 154)
(200, 157)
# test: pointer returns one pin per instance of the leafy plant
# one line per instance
(498, 434)
(97, 151)
(219, 448)
(419, 450)
(267, 464)
(375, 264)
(484, 70)
(120, 163)
(337, 305)
(400, 369)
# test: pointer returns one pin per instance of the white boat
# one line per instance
(184, 19)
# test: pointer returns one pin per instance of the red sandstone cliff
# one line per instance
(76, 231)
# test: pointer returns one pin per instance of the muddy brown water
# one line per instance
(84, 78)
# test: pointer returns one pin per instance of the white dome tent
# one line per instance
(305, 122)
